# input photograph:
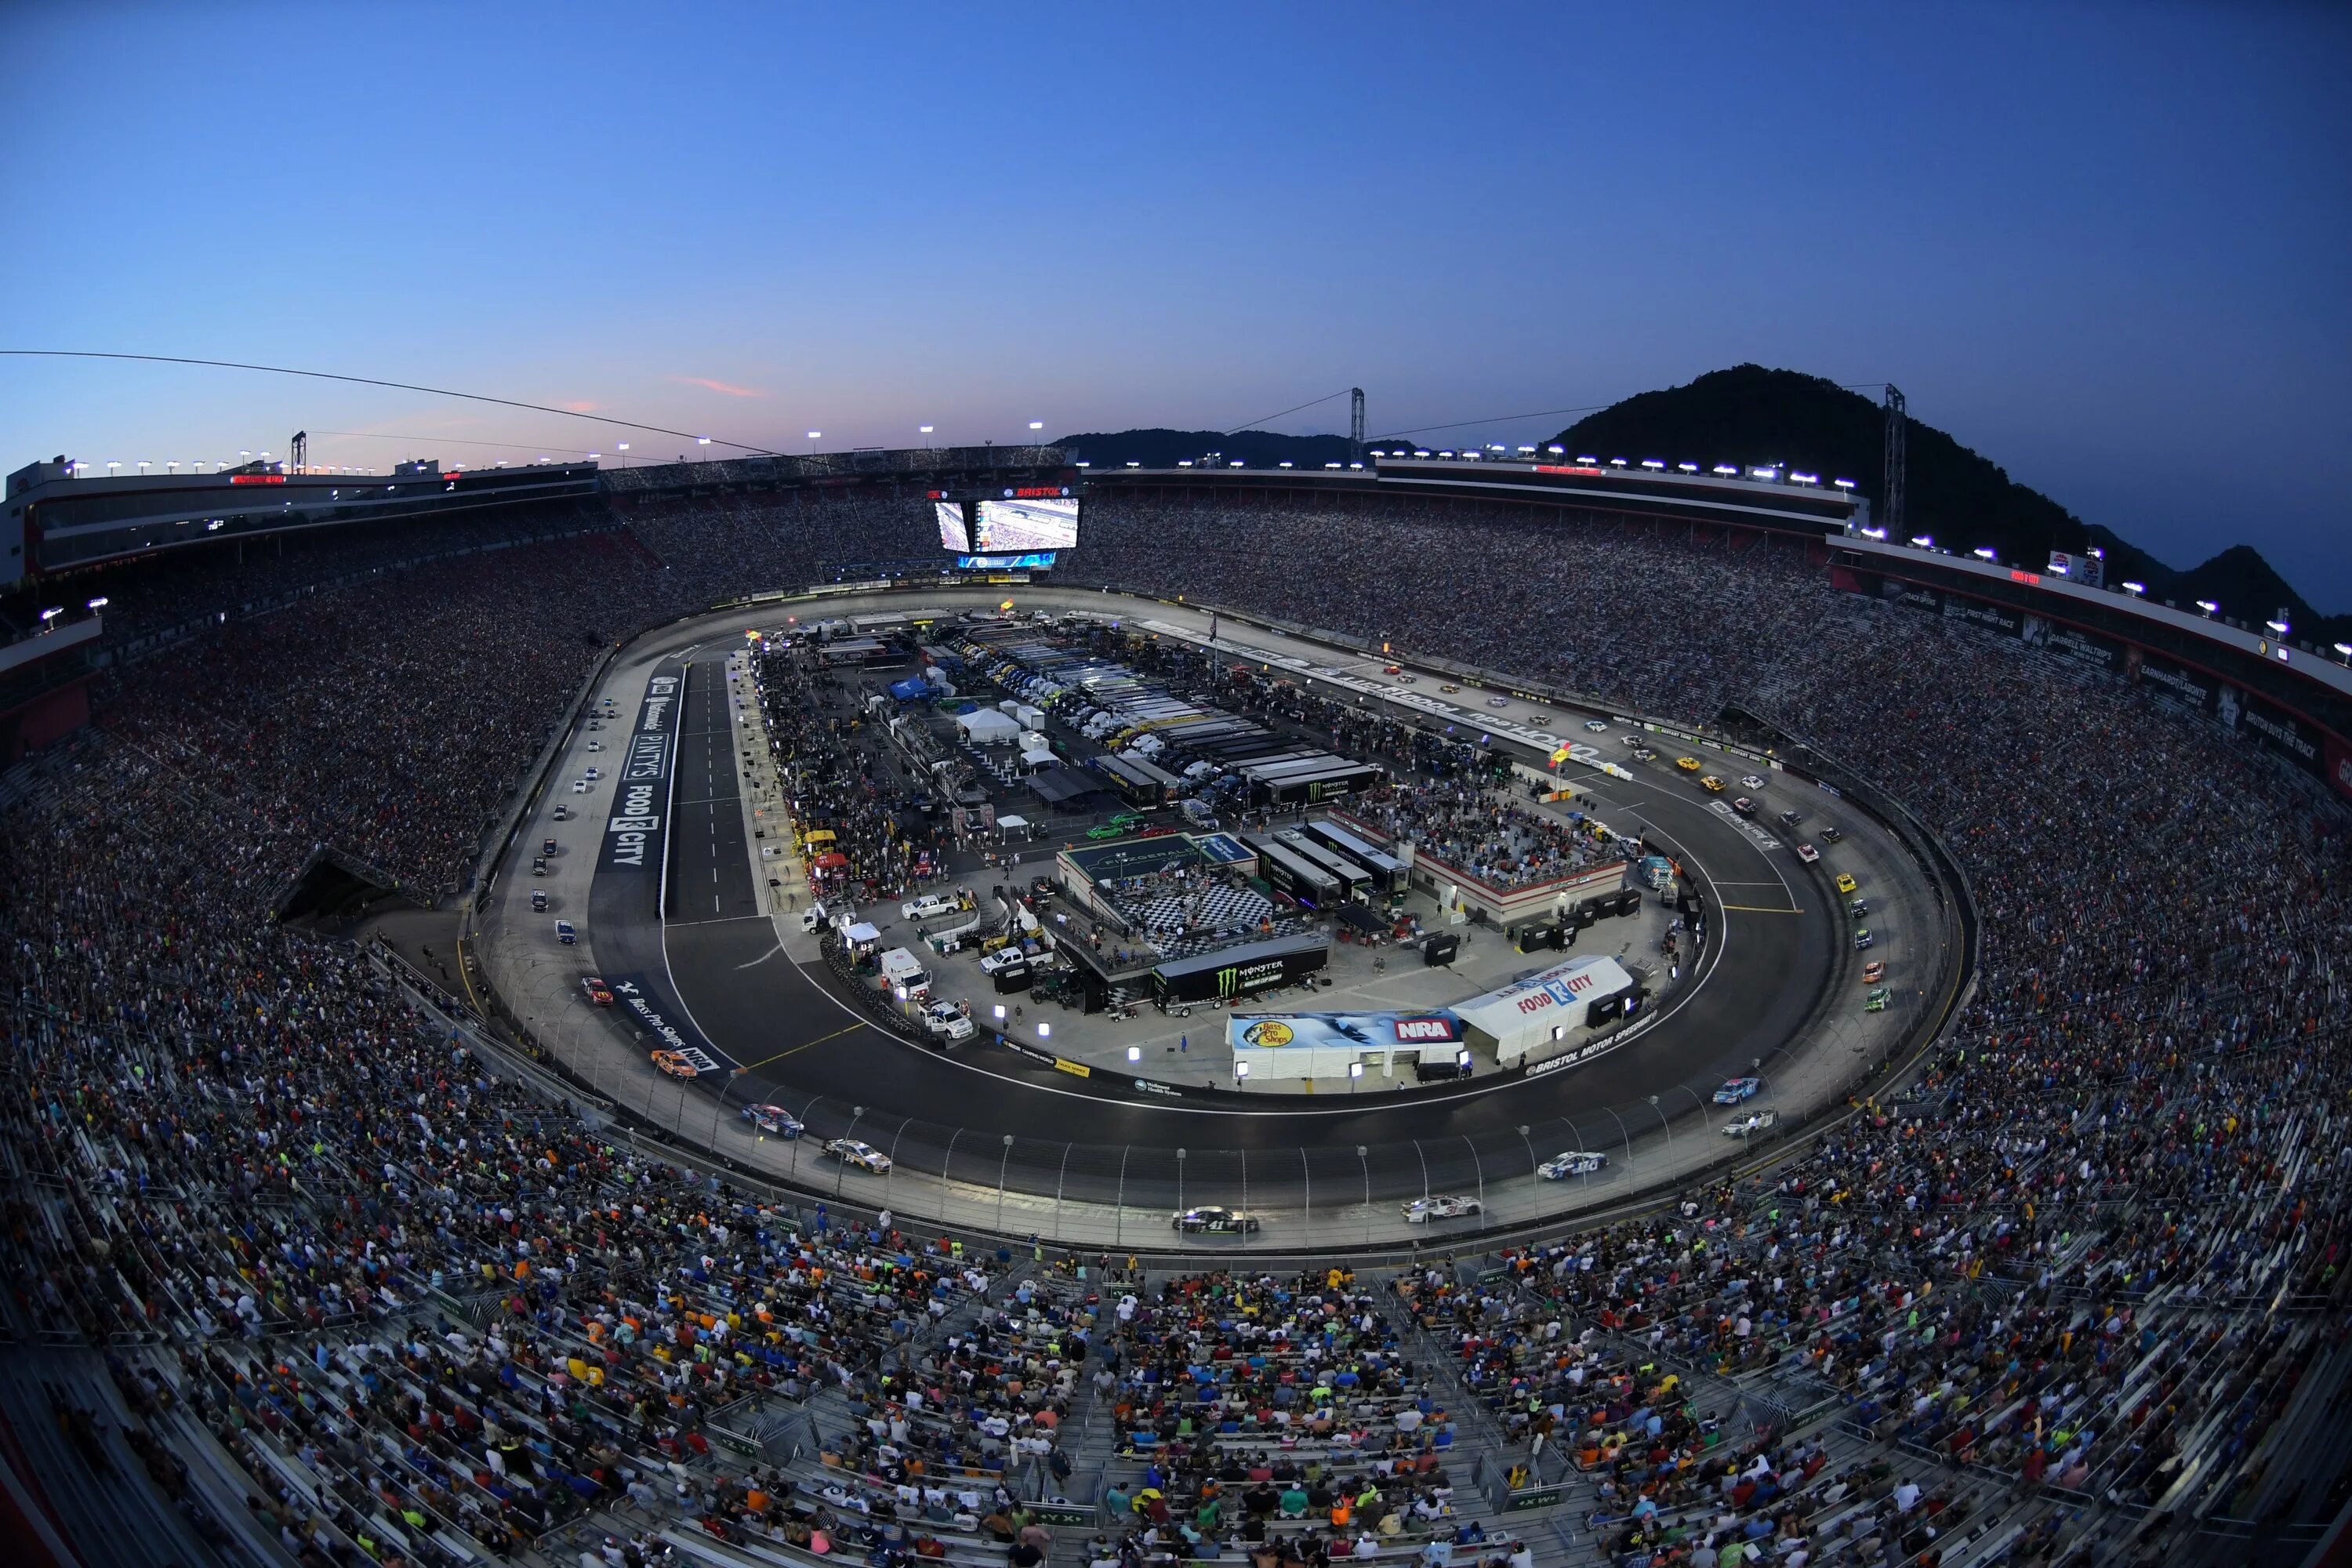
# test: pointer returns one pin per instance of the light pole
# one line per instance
(725, 1084)
(1532, 1162)
(1000, 1166)
(1666, 1124)
(1364, 1159)
(842, 1174)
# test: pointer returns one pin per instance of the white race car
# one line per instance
(1421, 1211)
(1596, 726)
(1755, 1121)
(1751, 781)
(1576, 1163)
(858, 1153)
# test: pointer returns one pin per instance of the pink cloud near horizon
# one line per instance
(718, 386)
(582, 407)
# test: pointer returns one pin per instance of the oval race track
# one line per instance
(806, 1046)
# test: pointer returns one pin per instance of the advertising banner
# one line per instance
(1438, 1030)
(632, 845)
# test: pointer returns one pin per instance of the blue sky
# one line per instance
(2107, 245)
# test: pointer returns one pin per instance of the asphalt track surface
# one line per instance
(984, 1114)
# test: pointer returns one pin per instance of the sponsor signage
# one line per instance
(2336, 758)
(641, 782)
(1061, 1513)
(1537, 1497)
(1037, 560)
(1343, 1031)
(1045, 1058)
(1075, 1069)
(650, 1008)
(1162, 1090)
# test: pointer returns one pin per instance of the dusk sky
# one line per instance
(2105, 245)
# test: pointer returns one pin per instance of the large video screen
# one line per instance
(953, 535)
(1040, 523)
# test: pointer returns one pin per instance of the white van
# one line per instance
(901, 971)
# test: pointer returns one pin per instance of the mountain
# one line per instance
(1166, 448)
(1752, 416)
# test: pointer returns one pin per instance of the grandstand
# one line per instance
(311, 1267)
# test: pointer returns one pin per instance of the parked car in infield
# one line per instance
(774, 1119)
(929, 906)
(858, 1153)
(1003, 958)
(946, 1021)
(1216, 1221)
(1735, 1089)
(1574, 1162)
(1421, 1211)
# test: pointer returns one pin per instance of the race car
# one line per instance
(858, 1153)
(579, 786)
(1106, 830)
(1392, 669)
(563, 813)
(1744, 806)
(1003, 958)
(595, 745)
(1861, 939)
(1627, 742)
(547, 845)
(1405, 676)
(1751, 781)
(1831, 835)
(1688, 764)
(674, 1065)
(1755, 1121)
(1875, 1002)
(1846, 884)
(1576, 1163)
(1712, 784)
(1225, 1221)
(1857, 909)
(1157, 830)
(1735, 1089)
(1598, 727)
(1449, 688)
(592, 775)
(929, 906)
(598, 992)
(774, 1119)
(1808, 854)
(947, 1020)
(1645, 754)
(1421, 1211)
(1873, 972)
(1498, 702)
(539, 900)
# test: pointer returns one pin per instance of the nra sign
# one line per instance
(1426, 1031)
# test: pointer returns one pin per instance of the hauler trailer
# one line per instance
(1389, 875)
(1307, 784)
(1137, 782)
(1232, 973)
(1294, 877)
(1355, 883)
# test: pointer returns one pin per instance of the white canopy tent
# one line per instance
(1545, 1007)
(987, 727)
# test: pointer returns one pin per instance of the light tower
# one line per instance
(1356, 423)
(1890, 501)
(301, 459)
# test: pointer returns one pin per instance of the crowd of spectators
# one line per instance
(1478, 829)
(2111, 1212)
